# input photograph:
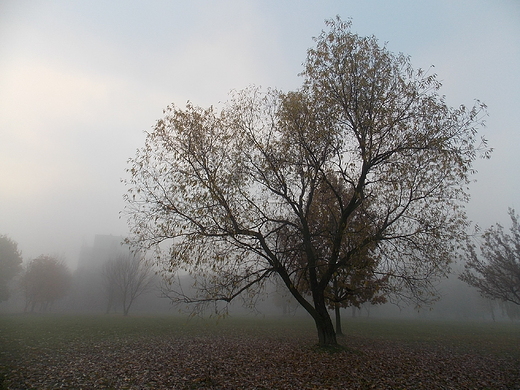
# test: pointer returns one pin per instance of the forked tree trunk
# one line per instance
(326, 332)
(319, 312)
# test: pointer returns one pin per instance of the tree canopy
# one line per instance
(45, 280)
(495, 272)
(362, 171)
(10, 264)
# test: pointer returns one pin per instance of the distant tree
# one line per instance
(495, 271)
(126, 278)
(226, 187)
(509, 309)
(10, 264)
(360, 285)
(45, 280)
(282, 298)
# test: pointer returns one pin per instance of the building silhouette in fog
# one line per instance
(104, 248)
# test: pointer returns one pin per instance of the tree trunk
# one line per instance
(326, 332)
(110, 303)
(339, 331)
(319, 312)
(126, 306)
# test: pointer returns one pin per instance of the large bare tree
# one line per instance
(495, 271)
(226, 188)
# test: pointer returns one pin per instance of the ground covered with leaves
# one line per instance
(160, 353)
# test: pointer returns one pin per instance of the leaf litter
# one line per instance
(245, 361)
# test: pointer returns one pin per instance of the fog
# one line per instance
(81, 83)
(88, 294)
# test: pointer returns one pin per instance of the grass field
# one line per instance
(136, 352)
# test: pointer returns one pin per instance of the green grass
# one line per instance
(499, 338)
(21, 333)
(28, 332)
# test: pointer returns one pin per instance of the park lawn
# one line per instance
(160, 352)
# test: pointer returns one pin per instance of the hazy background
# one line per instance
(80, 83)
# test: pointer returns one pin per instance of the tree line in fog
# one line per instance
(110, 279)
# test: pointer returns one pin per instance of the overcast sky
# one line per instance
(81, 81)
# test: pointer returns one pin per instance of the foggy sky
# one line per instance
(80, 83)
